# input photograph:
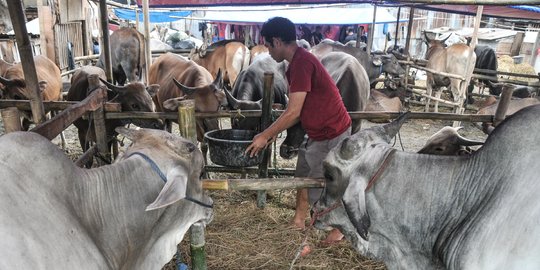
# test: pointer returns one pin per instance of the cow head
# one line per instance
(208, 98)
(390, 65)
(448, 142)
(14, 88)
(434, 44)
(135, 97)
(348, 168)
(293, 140)
(178, 159)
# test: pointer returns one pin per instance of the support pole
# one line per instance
(106, 44)
(186, 120)
(11, 119)
(504, 102)
(16, 12)
(266, 121)
(465, 84)
(198, 254)
(147, 51)
(397, 28)
(409, 30)
(372, 30)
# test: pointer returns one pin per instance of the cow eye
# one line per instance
(135, 107)
(328, 176)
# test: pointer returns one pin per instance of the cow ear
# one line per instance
(355, 205)
(377, 61)
(42, 86)
(152, 89)
(173, 191)
(131, 134)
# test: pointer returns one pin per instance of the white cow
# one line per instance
(58, 216)
(416, 211)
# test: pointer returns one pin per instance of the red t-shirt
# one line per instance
(323, 115)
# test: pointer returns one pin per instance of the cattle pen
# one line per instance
(96, 108)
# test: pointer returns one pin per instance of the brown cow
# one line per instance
(50, 83)
(132, 97)
(227, 55)
(179, 78)
(256, 50)
(451, 60)
(4, 66)
(379, 102)
(127, 55)
(514, 106)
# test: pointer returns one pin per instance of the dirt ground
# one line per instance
(243, 236)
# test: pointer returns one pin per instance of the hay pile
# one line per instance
(242, 236)
(506, 64)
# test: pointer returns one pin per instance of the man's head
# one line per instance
(278, 27)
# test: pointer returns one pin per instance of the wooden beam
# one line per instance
(106, 44)
(262, 183)
(469, 2)
(24, 105)
(147, 52)
(54, 126)
(371, 31)
(409, 30)
(18, 19)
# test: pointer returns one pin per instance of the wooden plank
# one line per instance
(24, 105)
(266, 121)
(106, 44)
(261, 183)
(516, 45)
(46, 37)
(11, 119)
(54, 126)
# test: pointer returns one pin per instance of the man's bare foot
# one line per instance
(333, 237)
(298, 223)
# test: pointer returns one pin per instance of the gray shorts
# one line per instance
(310, 158)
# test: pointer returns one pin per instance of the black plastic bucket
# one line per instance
(227, 147)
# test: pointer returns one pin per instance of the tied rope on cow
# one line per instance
(156, 169)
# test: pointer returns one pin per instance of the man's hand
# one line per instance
(259, 143)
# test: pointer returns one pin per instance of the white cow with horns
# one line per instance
(419, 211)
(128, 215)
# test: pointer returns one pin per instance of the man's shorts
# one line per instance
(311, 155)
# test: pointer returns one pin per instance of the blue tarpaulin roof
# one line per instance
(155, 16)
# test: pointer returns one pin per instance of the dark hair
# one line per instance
(278, 27)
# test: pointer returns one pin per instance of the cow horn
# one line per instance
(185, 89)
(393, 128)
(233, 102)
(114, 88)
(427, 39)
(444, 39)
(467, 142)
(5, 81)
(219, 80)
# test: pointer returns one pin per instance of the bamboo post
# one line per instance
(147, 51)
(186, 126)
(504, 102)
(11, 119)
(465, 84)
(186, 120)
(106, 44)
(397, 28)
(198, 257)
(409, 30)
(16, 12)
(266, 121)
(372, 30)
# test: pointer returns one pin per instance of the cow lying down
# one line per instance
(438, 212)
(127, 215)
(448, 142)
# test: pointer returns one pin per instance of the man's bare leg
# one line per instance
(302, 207)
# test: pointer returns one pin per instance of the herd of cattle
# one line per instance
(444, 207)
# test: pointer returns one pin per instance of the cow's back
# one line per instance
(457, 57)
(351, 79)
(229, 56)
(31, 237)
(127, 54)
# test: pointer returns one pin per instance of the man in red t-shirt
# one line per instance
(314, 100)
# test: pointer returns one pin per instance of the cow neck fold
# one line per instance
(156, 169)
(381, 169)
